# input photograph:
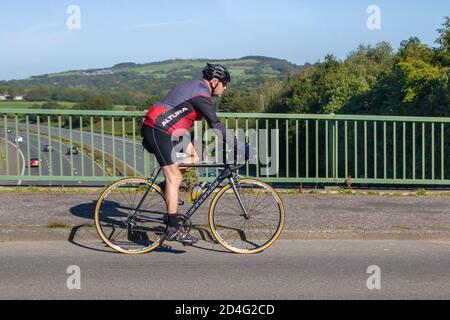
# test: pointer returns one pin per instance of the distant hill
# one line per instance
(154, 76)
(131, 83)
(242, 68)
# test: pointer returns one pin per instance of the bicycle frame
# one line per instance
(229, 172)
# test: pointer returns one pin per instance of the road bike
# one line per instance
(246, 216)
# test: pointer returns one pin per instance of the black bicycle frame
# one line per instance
(148, 190)
(229, 172)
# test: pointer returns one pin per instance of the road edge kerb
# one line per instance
(81, 234)
(282, 191)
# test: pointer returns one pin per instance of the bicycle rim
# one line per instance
(123, 228)
(252, 234)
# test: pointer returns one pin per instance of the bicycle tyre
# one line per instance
(108, 210)
(227, 226)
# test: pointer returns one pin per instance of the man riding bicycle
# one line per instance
(170, 119)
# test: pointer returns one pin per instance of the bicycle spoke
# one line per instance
(131, 232)
(129, 204)
(255, 223)
(260, 202)
(256, 198)
(256, 232)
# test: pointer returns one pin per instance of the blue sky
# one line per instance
(34, 38)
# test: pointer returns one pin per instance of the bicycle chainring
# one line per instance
(185, 223)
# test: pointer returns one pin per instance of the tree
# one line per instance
(268, 94)
(443, 42)
(233, 101)
(68, 94)
(150, 101)
(98, 102)
(40, 93)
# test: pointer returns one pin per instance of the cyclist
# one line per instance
(170, 119)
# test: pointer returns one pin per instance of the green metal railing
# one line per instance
(337, 149)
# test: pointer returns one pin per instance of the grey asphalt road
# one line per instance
(50, 162)
(15, 164)
(307, 216)
(289, 270)
(119, 147)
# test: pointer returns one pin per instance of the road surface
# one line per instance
(289, 270)
(56, 163)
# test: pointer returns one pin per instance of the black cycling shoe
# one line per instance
(180, 236)
(162, 185)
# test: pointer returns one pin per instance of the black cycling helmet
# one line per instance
(216, 71)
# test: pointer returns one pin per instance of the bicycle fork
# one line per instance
(234, 182)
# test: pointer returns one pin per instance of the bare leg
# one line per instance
(173, 182)
(174, 178)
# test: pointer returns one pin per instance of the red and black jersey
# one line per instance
(188, 102)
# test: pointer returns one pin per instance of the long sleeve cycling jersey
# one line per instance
(188, 102)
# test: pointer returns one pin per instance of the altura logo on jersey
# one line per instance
(173, 116)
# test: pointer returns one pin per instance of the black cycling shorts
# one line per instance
(160, 144)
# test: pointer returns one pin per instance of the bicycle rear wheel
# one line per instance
(121, 226)
(252, 232)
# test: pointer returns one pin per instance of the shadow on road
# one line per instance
(84, 210)
(86, 236)
(207, 242)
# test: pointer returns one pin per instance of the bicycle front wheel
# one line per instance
(122, 225)
(247, 222)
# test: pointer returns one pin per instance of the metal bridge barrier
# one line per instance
(97, 147)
